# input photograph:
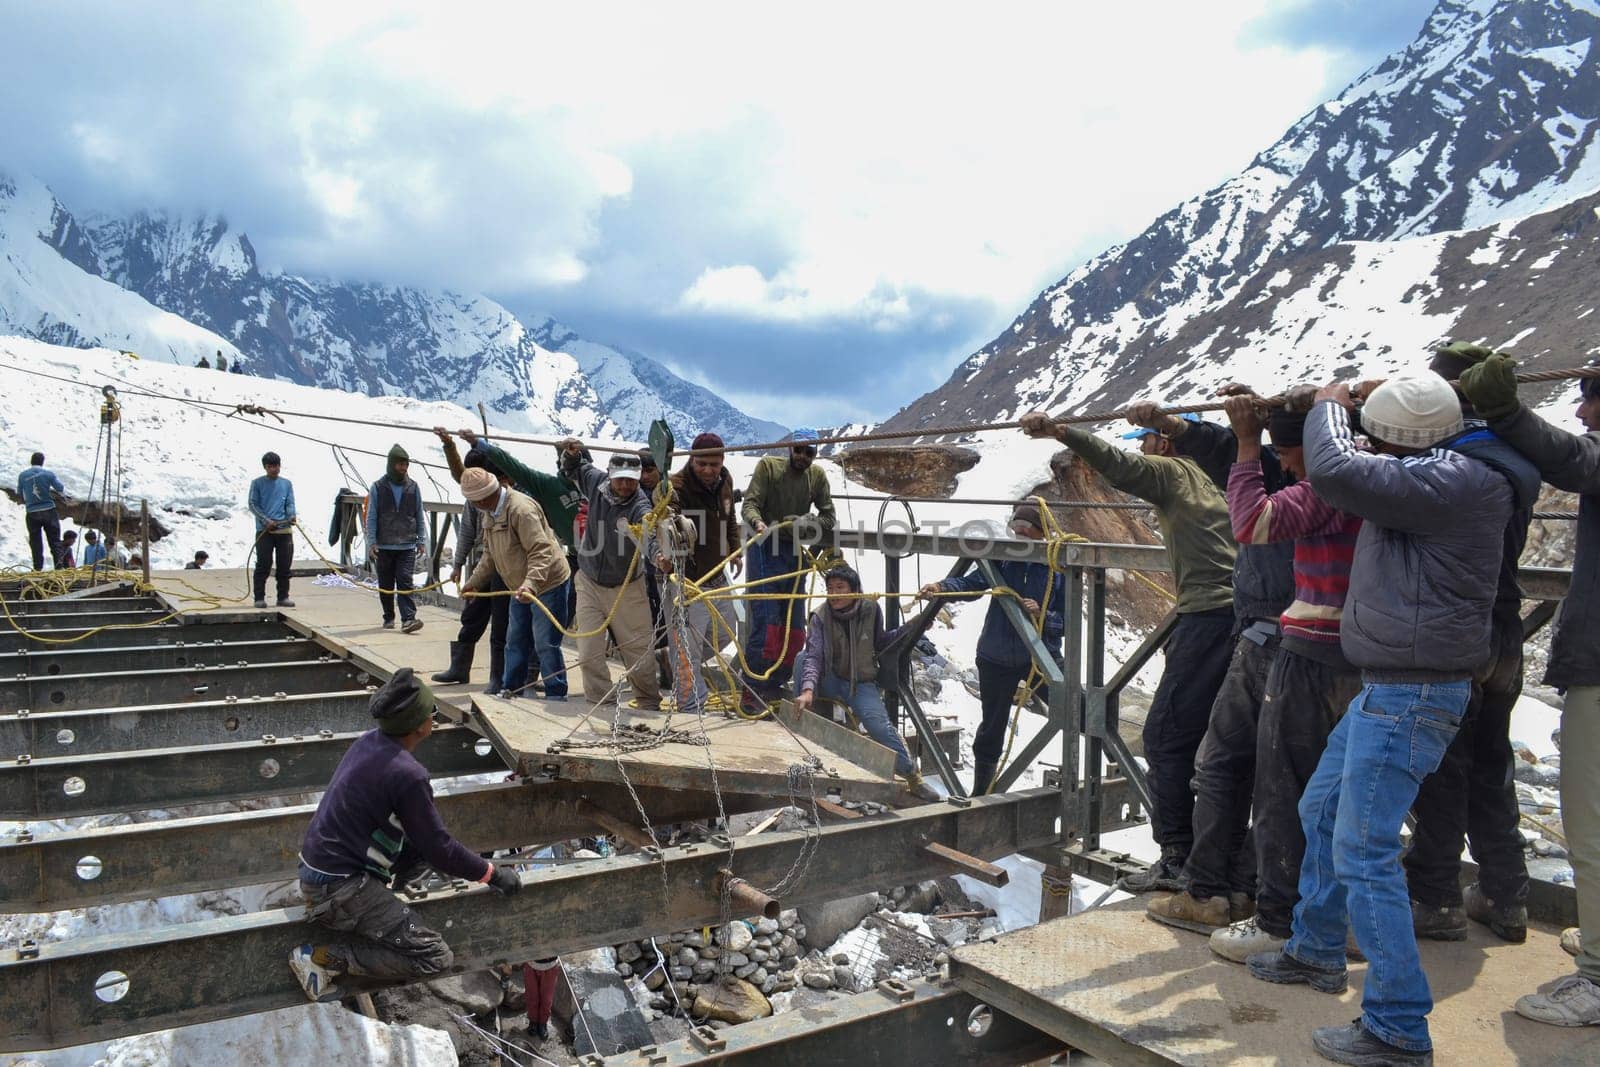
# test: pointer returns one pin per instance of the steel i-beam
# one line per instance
(98, 988)
(67, 692)
(61, 786)
(52, 660)
(110, 864)
(164, 726)
(167, 633)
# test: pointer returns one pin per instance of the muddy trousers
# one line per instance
(386, 942)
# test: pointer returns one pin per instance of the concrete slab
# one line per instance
(1129, 990)
(743, 756)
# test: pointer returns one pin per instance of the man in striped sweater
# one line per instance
(1310, 682)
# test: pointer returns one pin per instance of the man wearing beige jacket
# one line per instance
(520, 546)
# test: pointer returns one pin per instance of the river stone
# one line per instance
(746, 971)
(625, 970)
(736, 959)
(655, 979)
(844, 979)
(787, 918)
(732, 1001)
(817, 980)
(475, 992)
(687, 957)
(705, 968)
(766, 927)
(735, 937)
(758, 955)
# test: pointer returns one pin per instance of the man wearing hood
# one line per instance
(611, 568)
(397, 533)
(782, 488)
(843, 640)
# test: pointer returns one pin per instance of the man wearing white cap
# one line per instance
(611, 563)
(1416, 623)
(521, 548)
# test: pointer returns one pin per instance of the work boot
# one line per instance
(388, 624)
(1509, 922)
(1244, 939)
(319, 981)
(1572, 941)
(261, 602)
(1283, 969)
(1165, 874)
(411, 625)
(460, 665)
(982, 775)
(1448, 923)
(1200, 914)
(1573, 1001)
(920, 789)
(497, 669)
(285, 602)
(1355, 1044)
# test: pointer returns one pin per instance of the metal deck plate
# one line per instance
(1129, 990)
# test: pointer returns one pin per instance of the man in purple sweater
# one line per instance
(375, 826)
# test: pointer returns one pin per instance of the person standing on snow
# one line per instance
(38, 487)
(272, 503)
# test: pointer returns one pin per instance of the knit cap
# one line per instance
(1287, 428)
(706, 440)
(1028, 513)
(1415, 409)
(403, 704)
(478, 484)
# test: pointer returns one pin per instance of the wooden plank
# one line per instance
(1125, 989)
(838, 811)
(742, 756)
(971, 866)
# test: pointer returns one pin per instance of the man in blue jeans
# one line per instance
(397, 535)
(843, 640)
(38, 487)
(519, 546)
(1417, 623)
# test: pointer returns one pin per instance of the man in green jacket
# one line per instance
(1194, 524)
(782, 488)
(558, 495)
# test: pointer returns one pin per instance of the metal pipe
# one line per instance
(746, 898)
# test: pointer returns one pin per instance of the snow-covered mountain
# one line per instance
(637, 390)
(176, 288)
(1446, 192)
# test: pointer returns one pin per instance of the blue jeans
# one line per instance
(531, 632)
(1392, 738)
(867, 703)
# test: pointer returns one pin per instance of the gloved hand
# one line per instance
(1491, 387)
(1467, 350)
(505, 881)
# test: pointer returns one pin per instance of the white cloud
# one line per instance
(885, 154)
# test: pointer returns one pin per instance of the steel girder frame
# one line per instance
(195, 632)
(914, 1024)
(98, 988)
(62, 786)
(51, 660)
(175, 685)
(106, 865)
(94, 731)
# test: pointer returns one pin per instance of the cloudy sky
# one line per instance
(817, 208)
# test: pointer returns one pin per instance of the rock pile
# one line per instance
(687, 967)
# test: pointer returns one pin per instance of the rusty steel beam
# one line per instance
(62, 786)
(95, 731)
(58, 994)
(898, 1024)
(126, 689)
(110, 864)
(48, 660)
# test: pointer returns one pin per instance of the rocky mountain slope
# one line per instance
(175, 288)
(1447, 192)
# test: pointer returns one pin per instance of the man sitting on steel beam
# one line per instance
(1194, 525)
(374, 827)
(843, 640)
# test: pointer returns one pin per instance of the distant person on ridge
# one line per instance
(1194, 524)
(375, 827)
(397, 534)
(38, 487)
(272, 503)
(782, 488)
